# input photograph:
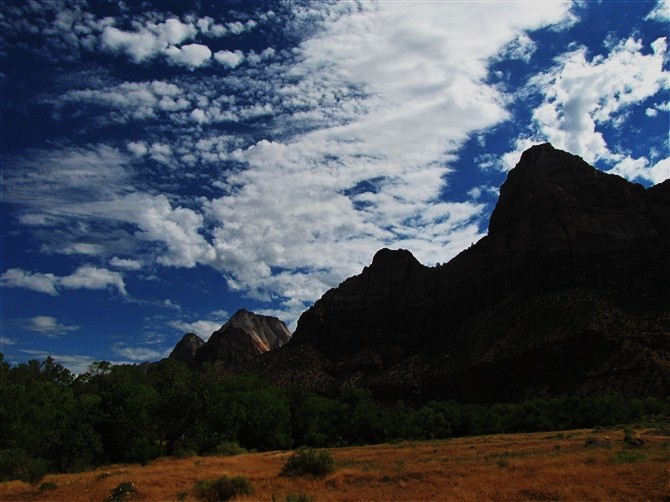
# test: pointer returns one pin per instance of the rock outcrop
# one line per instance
(186, 348)
(243, 338)
(569, 292)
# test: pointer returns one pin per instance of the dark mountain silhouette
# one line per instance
(568, 293)
(244, 337)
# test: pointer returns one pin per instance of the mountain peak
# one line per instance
(186, 348)
(245, 336)
(544, 304)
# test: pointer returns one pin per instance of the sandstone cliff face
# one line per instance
(244, 337)
(568, 292)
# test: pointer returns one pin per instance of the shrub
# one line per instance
(122, 492)
(228, 449)
(47, 486)
(224, 488)
(299, 497)
(628, 457)
(308, 462)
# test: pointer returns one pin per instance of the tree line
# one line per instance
(52, 420)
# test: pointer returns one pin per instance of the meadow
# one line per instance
(586, 464)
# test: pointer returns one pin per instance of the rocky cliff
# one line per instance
(569, 292)
(244, 337)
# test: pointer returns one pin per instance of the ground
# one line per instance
(570, 465)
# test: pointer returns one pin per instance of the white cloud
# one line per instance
(6, 341)
(85, 277)
(48, 326)
(137, 148)
(367, 112)
(522, 47)
(90, 277)
(178, 228)
(148, 41)
(581, 95)
(35, 281)
(140, 353)
(229, 59)
(131, 101)
(125, 263)
(202, 328)
(661, 12)
(75, 363)
(191, 55)
(406, 82)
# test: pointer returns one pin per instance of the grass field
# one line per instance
(571, 465)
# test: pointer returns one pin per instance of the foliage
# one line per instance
(224, 488)
(47, 486)
(309, 462)
(228, 449)
(299, 497)
(54, 421)
(628, 457)
(122, 492)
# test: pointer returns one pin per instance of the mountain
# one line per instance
(568, 293)
(244, 337)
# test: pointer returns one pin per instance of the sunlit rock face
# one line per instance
(245, 336)
(569, 292)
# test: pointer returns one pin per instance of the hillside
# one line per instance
(568, 293)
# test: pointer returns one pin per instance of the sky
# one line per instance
(166, 164)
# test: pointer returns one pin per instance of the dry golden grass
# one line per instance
(541, 466)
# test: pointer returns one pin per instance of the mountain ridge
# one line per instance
(579, 256)
(243, 337)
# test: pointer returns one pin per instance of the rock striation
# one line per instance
(568, 293)
(243, 338)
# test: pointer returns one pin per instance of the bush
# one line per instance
(47, 486)
(228, 449)
(308, 462)
(299, 497)
(224, 488)
(122, 492)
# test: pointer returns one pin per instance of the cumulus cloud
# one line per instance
(642, 169)
(35, 281)
(363, 119)
(408, 91)
(191, 55)
(581, 95)
(229, 59)
(47, 325)
(148, 41)
(131, 101)
(85, 277)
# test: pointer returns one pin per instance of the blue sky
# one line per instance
(165, 164)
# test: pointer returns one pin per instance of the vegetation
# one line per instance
(224, 488)
(54, 421)
(454, 469)
(309, 462)
(122, 492)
